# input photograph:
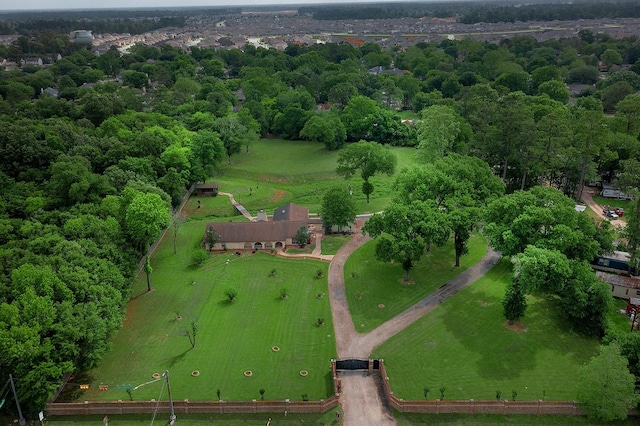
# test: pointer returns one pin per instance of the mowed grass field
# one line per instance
(370, 282)
(276, 172)
(232, 337)
(465, 346)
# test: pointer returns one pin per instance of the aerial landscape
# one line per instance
(340, 213)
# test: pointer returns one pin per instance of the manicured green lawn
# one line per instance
(277, 171)
(211, 209)
(277, 419)
(370, 282)
(465, 346)
(332, 243)
(409, 419)
(406, 419)
(232, 337)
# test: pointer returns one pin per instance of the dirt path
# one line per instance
(587, 198)
(361, 399)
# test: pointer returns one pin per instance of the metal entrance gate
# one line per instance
(356, 364)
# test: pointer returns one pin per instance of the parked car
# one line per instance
(619, 211)
(611, 214)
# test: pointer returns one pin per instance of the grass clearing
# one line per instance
(370, 282)
(300, 172)
(465, 346)
(627, 205)
(332, 243)
(232, 337)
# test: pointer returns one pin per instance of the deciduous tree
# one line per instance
(145, 217)
(403, 232)
(606, 389)
(367, 159)
(338, 208)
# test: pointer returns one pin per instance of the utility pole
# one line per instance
(15, 396)
(172, 417)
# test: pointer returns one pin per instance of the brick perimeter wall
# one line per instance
(479, 407)
(186, 407)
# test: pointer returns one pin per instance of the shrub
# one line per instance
(198, 257)
(284, 293)
(231, 294)
(320, 321)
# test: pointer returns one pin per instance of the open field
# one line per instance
(370, 282)
(232, 337)
(299, 172)
(465, 346)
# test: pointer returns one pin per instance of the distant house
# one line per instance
(255, 235)
(608, 191)
(206, 189)
(32, 61)
(622, 286)
(618, 262)
(50, 91)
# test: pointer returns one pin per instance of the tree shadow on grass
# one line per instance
(477, 323)
(506, 354)
(171, 361)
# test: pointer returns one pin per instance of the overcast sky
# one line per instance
(119, 4)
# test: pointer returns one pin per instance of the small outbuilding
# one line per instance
(206, 189)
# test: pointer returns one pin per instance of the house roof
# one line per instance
(240, 232)
(291, 212)
(206, 186)
(619, 280)
(622, 256)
